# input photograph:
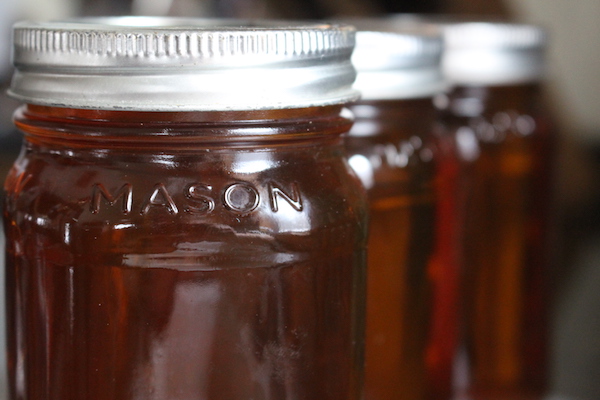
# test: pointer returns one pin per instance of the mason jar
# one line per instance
(181, 222)
(504, 141)
(411, 322)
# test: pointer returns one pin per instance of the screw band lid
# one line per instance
(397, 58)
(173, 64)
(493, 53)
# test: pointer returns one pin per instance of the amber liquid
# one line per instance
(233, 268)
(446, 266)
(506, 257)
(396, 138)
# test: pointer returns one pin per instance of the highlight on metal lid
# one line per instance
(397, 58)
(493, 53)
(174, 64)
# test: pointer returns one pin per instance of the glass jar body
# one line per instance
(504, 145)
(184, 256)
(391, 149)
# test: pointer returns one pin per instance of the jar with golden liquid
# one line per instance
(504, 144)
(391, 147)
(181, 222)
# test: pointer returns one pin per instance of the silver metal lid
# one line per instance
(397, 59)
(493, 53)
(169, 64)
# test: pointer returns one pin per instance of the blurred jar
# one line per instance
(391, 148)
(181, 222)
(504, 145)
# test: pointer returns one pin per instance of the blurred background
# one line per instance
(573, 92)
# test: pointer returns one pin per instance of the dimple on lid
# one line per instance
(493, 53)
(397, 59)
(172, 64)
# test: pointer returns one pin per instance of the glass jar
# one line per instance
(504, 146)
(391, 148)
(181, 222)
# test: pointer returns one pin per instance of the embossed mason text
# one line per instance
(197, 198)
